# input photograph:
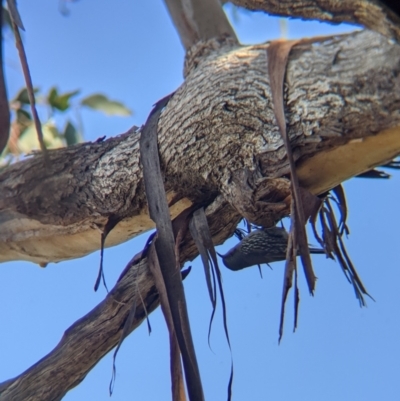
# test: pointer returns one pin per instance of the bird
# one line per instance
(265, 245)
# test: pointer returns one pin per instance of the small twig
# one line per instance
(165, 247)
(5, 133)
(28, 81)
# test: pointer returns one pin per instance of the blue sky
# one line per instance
(130, 51)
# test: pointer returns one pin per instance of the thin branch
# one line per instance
(4, 107)
(16, 22)
(197, 20)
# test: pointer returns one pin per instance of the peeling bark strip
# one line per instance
(197, 230)
(202, 237)
(178, 385)
(332, 241)
(111, 223)
(165, 246)
(278, 54)
(290, 268)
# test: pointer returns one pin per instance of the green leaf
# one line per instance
(28, 141)
(6, 18)
(71, 135)
(52, 96)
(22, 96)
(60, 102)
(23, 117)
(109, 107)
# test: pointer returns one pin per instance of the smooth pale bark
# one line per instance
(216, 136)
(197, 20)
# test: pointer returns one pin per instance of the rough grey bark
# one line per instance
(216, 136)
(85, 342)
(371, 14)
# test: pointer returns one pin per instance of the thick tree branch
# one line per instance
(85, 342)
(374, 15)
(199, 20)
(216, 136)
(94, 335)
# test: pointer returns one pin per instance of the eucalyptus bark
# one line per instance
(216, 136)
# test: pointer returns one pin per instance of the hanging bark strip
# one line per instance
(110, 225)
(179, 226)
(178, 391)
(177, 385)
(278, 53)
(332, 233)
(201, 234)
(290, 268)
(165, 247)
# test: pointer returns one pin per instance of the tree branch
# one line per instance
(374, 15)
(342, 108)
(86, 341)
(95, 334)
(199, 20)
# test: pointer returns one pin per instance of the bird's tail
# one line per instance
(316, 250)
